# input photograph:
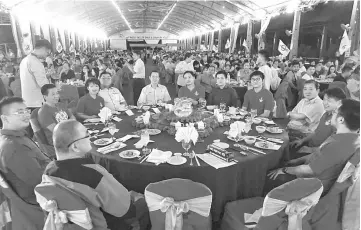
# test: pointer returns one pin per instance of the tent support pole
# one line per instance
(295, 34)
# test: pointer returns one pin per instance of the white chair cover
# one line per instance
(295, 210)
(174, 210)
(57, 218)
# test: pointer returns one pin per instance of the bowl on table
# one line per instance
(257, 120)
(249, 140)
(260, 129)
(146, 107)
(242, 112)
(211, 107)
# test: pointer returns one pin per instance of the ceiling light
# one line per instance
(165, 18)
(121, 14)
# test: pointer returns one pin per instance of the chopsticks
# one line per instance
(195, 156)
(144, 159)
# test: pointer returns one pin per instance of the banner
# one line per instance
(245, 45)
(283, 49)
(345, 43)
(211, 40)
(25, 36)
(234, 37)
(59, 45)
(228, 44)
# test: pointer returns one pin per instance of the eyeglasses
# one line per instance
(106, 78)
(256, 79)
(87, 136)
(22, 112)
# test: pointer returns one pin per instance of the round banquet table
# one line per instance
(243, 180)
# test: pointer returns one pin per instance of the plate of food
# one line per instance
(264, 145)
(269, 122)
(233, 139)
(92, 120)
(176, 160)
(151, 132)
(103, 141)
(129, 154)
(274, 130)
(236, 117)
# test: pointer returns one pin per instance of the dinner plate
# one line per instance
(151, 132)
(232, 139)
(111, 148)
(129, 154)
(221, 145)
(264, 145)
(269, 122)
(92, 120)
(123, 109)
(235, 117)
(176, 160)
(103, 141)
(269, 129)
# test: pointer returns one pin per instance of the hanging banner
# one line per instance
(25, 36)
(234, 37)
(228, 44)
(71, 44)
(15, 25)
(284, 50)
(45, 32)
(345, 44)
(245, 45)
(211, 40)
(59, 44)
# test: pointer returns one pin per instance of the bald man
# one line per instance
(110, 204)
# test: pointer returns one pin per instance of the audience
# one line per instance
(262, 59)
(310, 70)
(258, 98)
(307, 114)
(346, 73)
(90, 105)
(113, 98)
(110, 204)
(66, 73)
(191, 90)
(182, 67)
(52, 112)
(154, 93)
(223, 93)
(208, 80)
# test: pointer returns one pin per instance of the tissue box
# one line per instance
(220, 153)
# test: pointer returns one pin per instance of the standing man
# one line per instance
(182, 67)
(138, 71)
(32, 74)
(21, 163)
(262, 60)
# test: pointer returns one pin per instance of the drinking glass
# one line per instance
(253, 113)
(191, 156)
(186, 146)
(112, 129)
(202, 103)
(222, 107)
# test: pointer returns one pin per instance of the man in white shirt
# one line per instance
(154, 93)
(262, 60)
(183, 66)
(32, 74)
(301, 70)
(310, 70)
(138, 71)
(113, 98)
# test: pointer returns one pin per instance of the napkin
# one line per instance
(141, 143)
(146, 117)
(213, 161)
(236, 128)
(127, 137)
(216, 112)
(177, 125)
(105, 114)
(169, 107)
(187, 134)
(117, 119)
(112, 132)
(200, 125)
(158, 156)
(220, 117)
(253, 218)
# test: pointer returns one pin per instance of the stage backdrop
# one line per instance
(119, 40)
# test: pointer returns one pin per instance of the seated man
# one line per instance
(327, 163)
(109, 203)
(310, 70)
(308, 112)
(346, 73)
(21, 162)
(154, 93)
(113, 98)
(223, 93)
(52, 112)
(331, 101)
(191, 90)
(258, 98)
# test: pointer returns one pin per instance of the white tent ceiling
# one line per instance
(187, 15)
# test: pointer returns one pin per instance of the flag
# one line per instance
(59, 46)
(228, 44)
(345, 43)
(283, 49)
(245, 44)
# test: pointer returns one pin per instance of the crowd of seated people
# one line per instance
(325, 122)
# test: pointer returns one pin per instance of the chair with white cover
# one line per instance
(340, 207)
(287, 207)
(65, 210)
(23, 214)
(179, 204)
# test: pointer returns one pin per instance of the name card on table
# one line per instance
(156, 110)
(129, 112)
(117, 119)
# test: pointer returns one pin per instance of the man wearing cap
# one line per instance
(33, 75)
